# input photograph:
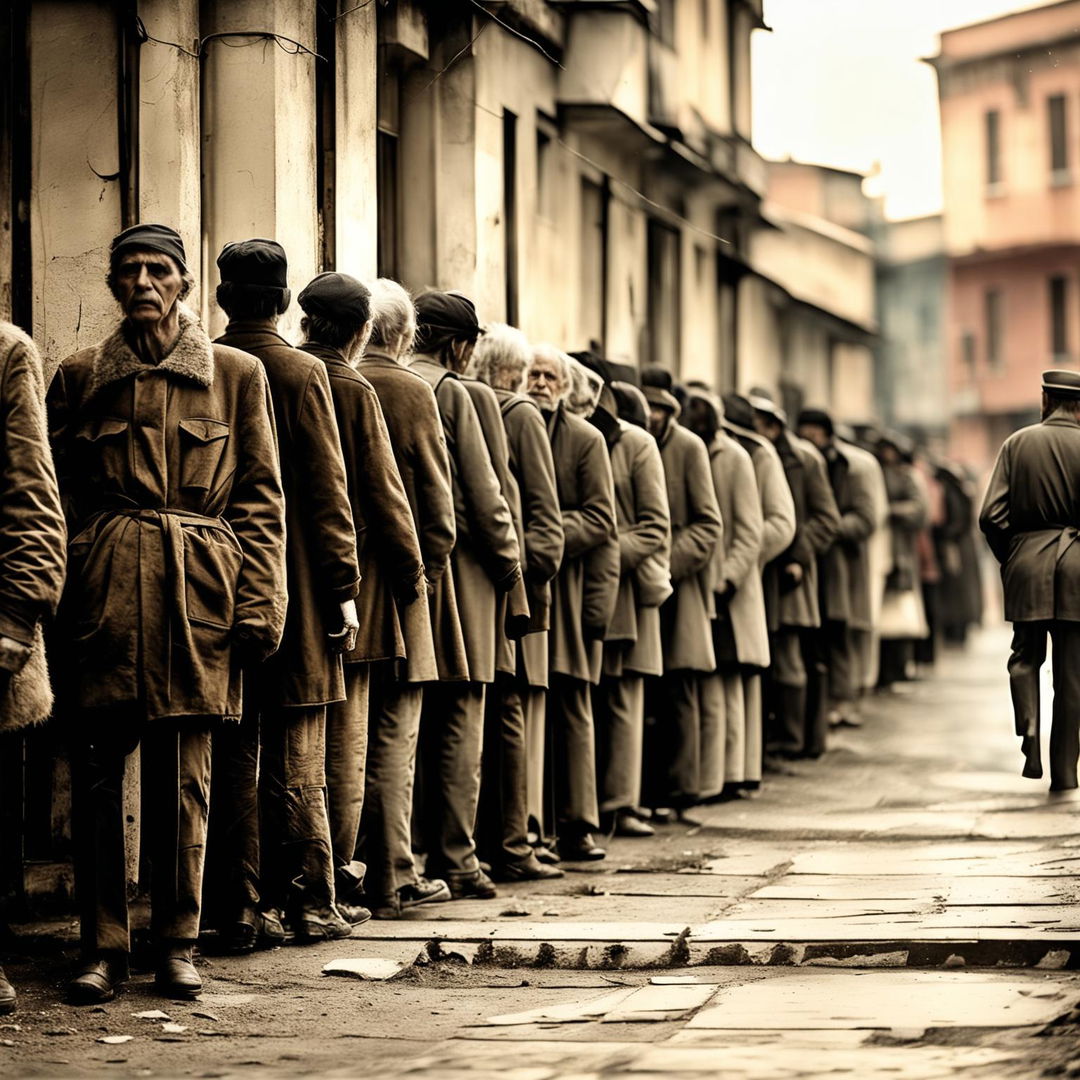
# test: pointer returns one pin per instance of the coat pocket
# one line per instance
(202, 442)
(103, 451)
(212, 562)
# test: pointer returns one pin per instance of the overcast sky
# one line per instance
(839, 82)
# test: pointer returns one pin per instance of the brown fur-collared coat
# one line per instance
(33, 547)
(170, 481)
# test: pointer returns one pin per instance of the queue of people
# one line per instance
(414, 606)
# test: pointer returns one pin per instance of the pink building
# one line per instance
(1010, 122)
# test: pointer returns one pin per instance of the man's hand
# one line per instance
(795, 572)
(344, 641)
(13, 655)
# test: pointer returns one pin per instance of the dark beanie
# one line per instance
(738, 410)
(656, 376)
(149, 237)
(337, 297)
(631, 403)
(443, 317)
(254, 262)
(817, 418)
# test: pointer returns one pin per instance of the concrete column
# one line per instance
(258, 138)
(75, 192)
(356, 246)
(169, 180)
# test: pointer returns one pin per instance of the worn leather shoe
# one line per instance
(176, 977)
(239, 936)
(547, 855)
(7, 995)
(96, 980)
(628, 824)
(273, 929)
(528, 869)
(474, 886)
(580, 848)
(353, 914)
(321, 924)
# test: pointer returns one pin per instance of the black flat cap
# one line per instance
(254, 262)
(442, 315)
(1062, 383)
(149, 237)
(337, 297)
(817, 418)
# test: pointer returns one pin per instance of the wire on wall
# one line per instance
(280, 40)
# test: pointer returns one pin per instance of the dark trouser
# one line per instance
(1028, 655)
(619, 710)
(176, 793)
(534, 700)
(346, 758)
(451, 744)
(750, 679)
(897, 654)
(843, 661)
(386, 824)
(572, 760)
(295, 832)
(814, 642)
(786, 692)
(504, 813)
(673, 750)
(232, 849)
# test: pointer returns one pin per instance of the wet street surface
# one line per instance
(907, 906)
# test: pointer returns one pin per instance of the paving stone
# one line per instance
(571, 1012)
(651, 1003)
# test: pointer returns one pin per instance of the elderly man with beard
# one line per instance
(632, 645)
(488, 586)
(513, 763)
(284, 867)
(168, 468)
(336, 328)
(696, 530)
(582, 603)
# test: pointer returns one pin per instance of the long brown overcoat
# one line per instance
(817, 520)
(633, 642)
(484, 561)
(847, 564)
(172, 490)
(583, 594)
(696, 530)
(320, 537)
(33, 538)
(1031, 519)
(391, 570)
(416, 436)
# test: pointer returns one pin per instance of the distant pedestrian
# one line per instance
(1031, 518)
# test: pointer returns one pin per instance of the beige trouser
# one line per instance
(620, 732)
(346, 762)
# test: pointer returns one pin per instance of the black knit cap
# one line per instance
(254, 262)
(149, 237)
(337, 297)
(445, 316)
(817, 418)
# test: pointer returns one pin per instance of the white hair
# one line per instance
(393, 316)
(559, 359)
(501, 357)
(585, 388)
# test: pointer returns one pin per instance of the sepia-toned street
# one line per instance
(827, 926)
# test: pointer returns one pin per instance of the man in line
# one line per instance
(285, 865)
(168, 470)
(33, 551)
(485, 567)
(793, 648)
(1029, 517)
(582, 604)
(511, 782)
(696, 530)
(336, 328)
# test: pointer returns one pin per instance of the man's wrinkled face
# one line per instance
(544, 383)
(814, 433)
(658, 420)
(148, 284)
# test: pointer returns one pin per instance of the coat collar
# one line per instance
(191, 357)
(327, 353)
(258, 332)
(1060, 418)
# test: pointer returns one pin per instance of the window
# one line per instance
(592, 283)
(325, 137)
(1059, 146)
(1059, 319)
(993, 148)
(664, 308)
(967, 355)
(510, 222)
(545, 141)
(992, 321)
(386, 194)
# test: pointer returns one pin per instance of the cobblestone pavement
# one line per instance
(905, 907)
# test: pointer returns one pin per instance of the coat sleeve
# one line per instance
(910, 508)
(602, 561)
(777, 505)
(432, 485)
(746, 530)
(256, 512)
(652, 520)
(491, 525)
(327, 509)
(994, 516)
(859, 520)
(386, 506)
(594, 521)
(692, 545)
(822, 516)
(539, 496)
(33, 538)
